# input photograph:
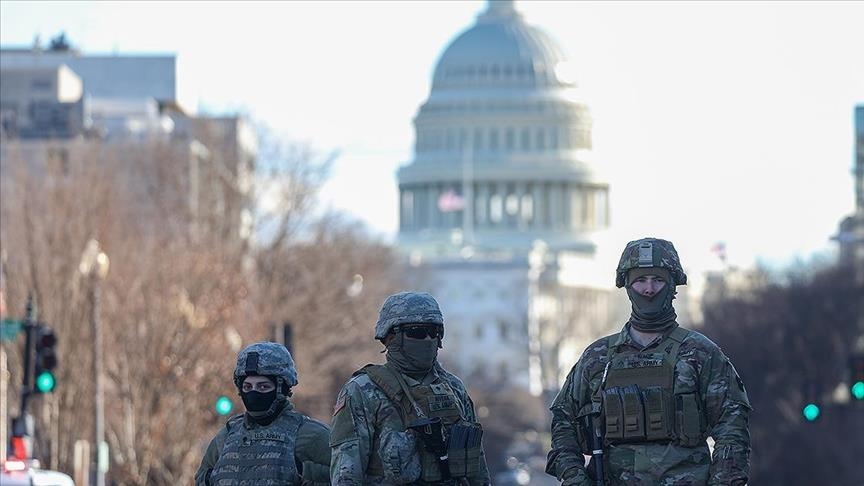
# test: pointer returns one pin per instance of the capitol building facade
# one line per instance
(502, 209)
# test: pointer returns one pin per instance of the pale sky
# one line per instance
(716, 121)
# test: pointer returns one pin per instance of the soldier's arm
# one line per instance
(727, 410)
(313, 452)
(350, 437)
(566, 460)
(211, 455)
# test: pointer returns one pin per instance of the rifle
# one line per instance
(595, 441)
(431, 434)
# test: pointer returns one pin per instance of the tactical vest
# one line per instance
(640, 403)
(259, 455)
(435, 400)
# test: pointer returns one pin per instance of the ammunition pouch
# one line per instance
(639, 403)
(457, 457)
(464, 450)
(449, 448)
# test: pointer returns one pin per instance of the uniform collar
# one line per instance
(624, 337)
(429, 378)
(250, 423)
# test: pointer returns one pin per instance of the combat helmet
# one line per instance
(650, 252)
(265, 359)
(407, 308)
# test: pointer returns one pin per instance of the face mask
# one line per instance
(257, 401)
(652, 314)
(413, 355)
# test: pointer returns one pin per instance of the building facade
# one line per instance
(502, 205)
(58, 104)
(851, 232)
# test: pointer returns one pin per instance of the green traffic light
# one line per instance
(858, 390)
(811, 412)
(45, 382)
(224, 405)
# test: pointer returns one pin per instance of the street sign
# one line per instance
(9, 329)
(102, 457)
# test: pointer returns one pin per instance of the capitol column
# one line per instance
(481, 209)
(555, 206)
(539, 206)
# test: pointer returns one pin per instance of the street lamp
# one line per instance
(536, 266)
(94, 266)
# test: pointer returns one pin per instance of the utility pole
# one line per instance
(94, 267)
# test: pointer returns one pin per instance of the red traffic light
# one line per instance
(47, 338)
(46, 357)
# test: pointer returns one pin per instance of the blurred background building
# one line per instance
(851, 232)
(503, 210)
(57, 103)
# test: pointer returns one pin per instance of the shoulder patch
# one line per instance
(340, 403)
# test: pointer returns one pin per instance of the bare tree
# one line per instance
(789, 337)
(179, 300)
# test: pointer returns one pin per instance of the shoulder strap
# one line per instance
(362, 371)
(231, 422)
(384, 379)
(395, 388)
(679, 334)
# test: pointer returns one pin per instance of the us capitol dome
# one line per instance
(502, 148)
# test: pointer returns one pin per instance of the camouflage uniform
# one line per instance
(371, 441)
(702, 396)
(291, 448)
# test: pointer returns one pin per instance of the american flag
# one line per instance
(449, 201)
(719, 249)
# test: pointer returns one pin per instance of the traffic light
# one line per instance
(21, 441)
(856, 376)
(811, 411)
(45, 360)
(224, 405)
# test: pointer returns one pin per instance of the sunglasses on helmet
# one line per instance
(422, 332)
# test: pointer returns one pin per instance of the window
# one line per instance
(509, 139)
(493, 139)
(480, 209)
(525, 143)
(503, 329)
(40, 85)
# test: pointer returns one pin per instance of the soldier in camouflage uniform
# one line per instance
(407, 421)
(651, 395)
(270, 444)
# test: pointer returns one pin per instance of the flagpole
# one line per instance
(468, 190)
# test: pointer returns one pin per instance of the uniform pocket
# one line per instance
(688, 420)
(399, 458)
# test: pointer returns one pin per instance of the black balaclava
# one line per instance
(656, 313)
(263, 408)
(412, 356)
